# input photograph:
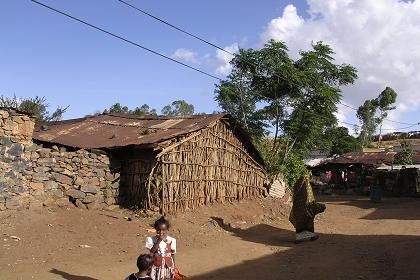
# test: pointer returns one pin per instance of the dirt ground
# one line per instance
(247, 240)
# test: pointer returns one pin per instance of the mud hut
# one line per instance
(168, 163)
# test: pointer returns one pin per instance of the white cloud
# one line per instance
(186, 55)
(380, 38)
(223, 59)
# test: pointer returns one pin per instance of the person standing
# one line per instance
(304, 210)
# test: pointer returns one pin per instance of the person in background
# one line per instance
(144, 265)
(163, 248)
(304, 210)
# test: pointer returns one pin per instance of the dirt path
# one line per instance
(248, 240)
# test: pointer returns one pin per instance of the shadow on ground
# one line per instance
(69, 276)
(333, 256)
(391, 208)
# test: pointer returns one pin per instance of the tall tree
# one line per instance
(366, 113)
(295, 99)
(386, 101)
(36, 106)
(338, 141)
(178, 108)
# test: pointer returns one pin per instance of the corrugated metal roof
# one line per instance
(368, 158)
(119, 130)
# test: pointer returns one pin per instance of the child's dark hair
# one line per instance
(161, 221)
(145, 262)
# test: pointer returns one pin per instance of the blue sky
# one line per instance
(46, 54)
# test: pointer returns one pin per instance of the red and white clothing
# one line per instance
(163, 267)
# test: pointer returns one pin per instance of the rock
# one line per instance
(89, 199)
(115, 185)
(94, 205)
(50, 185)
(67, 172)
(80, 204)
(103, 184)
(63, 202)
(65, 187)
(39, 195)
(93, 181)
(36, 186)
(78, 181)
(107, 193)
(84, 161)
(89, 189)
(41, 169)
(18, 189)
(44, 152)
(16, 150)
(46, 161)
(57, 169)
(35, 205)
(49, 202)
(55, 148)
(13, 203)
(75, 193)
(55, 193)
(110, 200)
(5, 141)
(100, 173)
(2, 206)
(40, 177)
(75, 160)
(64, 179)
(34, 156)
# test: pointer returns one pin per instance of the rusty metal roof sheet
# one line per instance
(374, 158)
(119, 130)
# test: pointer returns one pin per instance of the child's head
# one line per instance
(162, 226)
(145, 263)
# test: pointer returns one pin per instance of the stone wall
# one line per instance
(34, 176)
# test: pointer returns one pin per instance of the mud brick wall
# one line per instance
(34, 176)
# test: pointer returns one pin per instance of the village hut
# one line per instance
(170, 163)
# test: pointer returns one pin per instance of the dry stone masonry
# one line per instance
(34, 176)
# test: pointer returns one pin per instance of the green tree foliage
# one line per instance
(178, 108)
(36, 106)
(372, 114)
(268, 91)
(338, 141)
(386, 101)
(366, 113)
(405, 156)
(140, 111)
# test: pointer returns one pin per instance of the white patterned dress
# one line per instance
(163, 266)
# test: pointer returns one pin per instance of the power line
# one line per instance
(125, 40)
(218, 47)
(164, 56)
(350, 107)
(175, 27)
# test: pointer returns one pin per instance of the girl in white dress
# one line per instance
(163, 247)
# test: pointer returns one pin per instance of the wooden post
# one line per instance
(163, 189)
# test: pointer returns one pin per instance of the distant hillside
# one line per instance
(398, 136)
(395, 139)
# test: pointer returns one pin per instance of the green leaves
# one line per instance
(178, 108)
(36, 106)
(370, 118)
(405, 157)
(269, 92)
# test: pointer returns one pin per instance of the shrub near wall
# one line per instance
(34, 176)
